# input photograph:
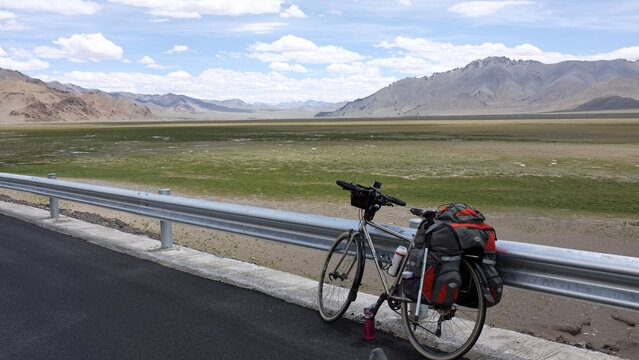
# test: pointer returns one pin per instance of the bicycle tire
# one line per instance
(458, 333)
(341, 276)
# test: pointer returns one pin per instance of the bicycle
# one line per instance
(440, 333)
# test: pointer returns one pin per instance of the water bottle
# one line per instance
(369, 324)
(400, 254)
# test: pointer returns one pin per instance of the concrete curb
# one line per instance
(494, 343)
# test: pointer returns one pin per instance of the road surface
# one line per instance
(65, 298)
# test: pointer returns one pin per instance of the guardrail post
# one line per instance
(53, 202)
(166, 227)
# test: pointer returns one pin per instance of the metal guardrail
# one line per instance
(601, 278)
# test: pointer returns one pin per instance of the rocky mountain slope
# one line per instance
(498, 85)
(24, 99)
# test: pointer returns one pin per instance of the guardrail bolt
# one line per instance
(166, 227)
(53, 202)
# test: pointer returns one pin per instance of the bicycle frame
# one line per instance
(363, 230)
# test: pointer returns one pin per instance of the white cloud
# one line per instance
(81, 47)
(293, 12)
(484, 8)
(12, 25)
(8, 22)
(28, 65)
(146, 60)
(5, 15)
(21, 60)
(49, 52)
(424, 57)
(354, 69)
(286, 67)
(64, 7)
(408, 65)
(404, 2)
(293, 48)
(197, 8)
(629, 53)
(258, 28)
(176, 49)
(223, 84)
(150, 63)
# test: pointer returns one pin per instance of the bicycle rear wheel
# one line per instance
(341, 276)
(448, 333)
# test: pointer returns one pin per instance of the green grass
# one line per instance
(576, 165)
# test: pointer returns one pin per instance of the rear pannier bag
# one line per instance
(457, 229)
(442, 278)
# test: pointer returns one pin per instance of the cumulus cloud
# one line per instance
(293, 48)
(258, 28)
(64, 7)
(484, 8)
(293, 12)
(286, 67)
(176, 49)
(81, 47)
(150, 63)
(197, 8)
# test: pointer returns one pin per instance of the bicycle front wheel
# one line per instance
(341, 276)
(448, 333)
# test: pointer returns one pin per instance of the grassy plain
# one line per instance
(573, 165)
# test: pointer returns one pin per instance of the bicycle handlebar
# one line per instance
(348, 185)
(374, 193)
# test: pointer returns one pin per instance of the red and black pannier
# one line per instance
(456, 230)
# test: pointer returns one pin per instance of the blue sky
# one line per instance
(278, 51)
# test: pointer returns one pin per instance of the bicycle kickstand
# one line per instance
(382, 297)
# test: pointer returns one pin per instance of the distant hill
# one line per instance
(498, 85)
(609, 103)
(186, 107)
(24, 99)
(182, 104)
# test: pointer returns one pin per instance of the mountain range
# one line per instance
(491, 86)
(25, 99)
(498, 85)
(175, 106)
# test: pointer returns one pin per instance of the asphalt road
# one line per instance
(65, 298)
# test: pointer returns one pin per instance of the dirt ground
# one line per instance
(581, 324)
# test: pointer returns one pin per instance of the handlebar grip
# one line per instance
(346, 185)
(395, 200)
